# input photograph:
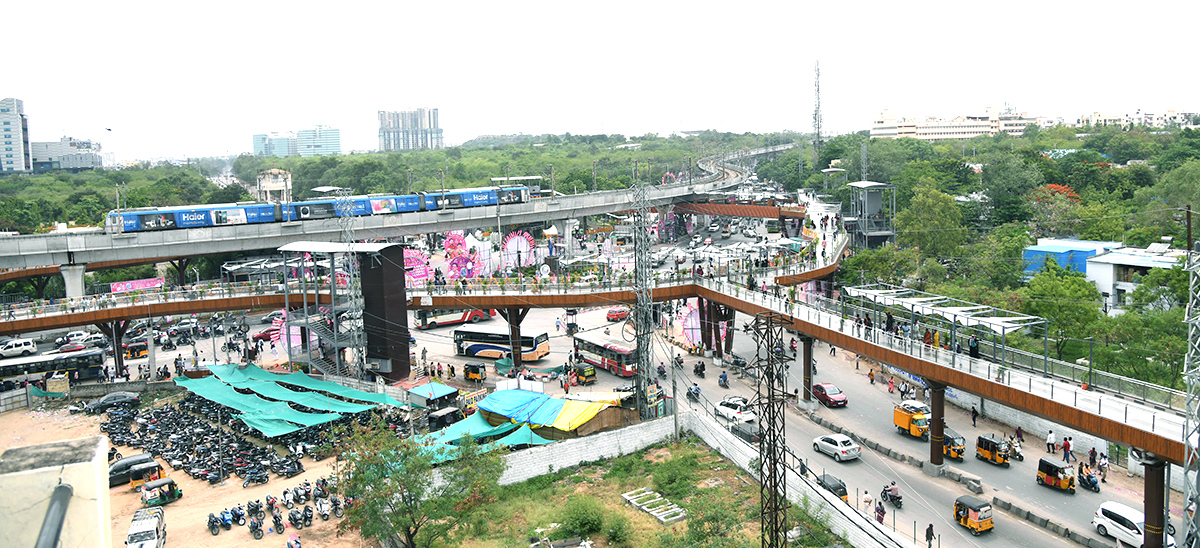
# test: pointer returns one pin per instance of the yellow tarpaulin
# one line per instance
(576, 413)
(611, 398)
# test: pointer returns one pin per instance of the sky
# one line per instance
(191, 79)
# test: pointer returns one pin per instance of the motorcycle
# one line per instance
(113, 454)
(255, 508)
(256, 528)
(1016, 449)
(296, 519)
(307, 487)
(323, 509)
(238, 514)
(337, 507)
(679, 361)
(698, 369)
(226, 519)
(886, 496)
(299, 495)
(277, 517)
(308, 515)
(693, 395)
(271, 501)
(294, 542)
(288, 499)
(214, 524)
(662, 372)
(255, 476)
(723, 382)
(1089, 481)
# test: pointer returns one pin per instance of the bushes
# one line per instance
(584, 516)
(620, 532)
(674, 478)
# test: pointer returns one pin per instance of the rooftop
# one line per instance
(50, 455)
(1139, 257)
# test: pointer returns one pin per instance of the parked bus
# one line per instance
(772, 225)
(87, 362)
(607, 352)
(429, 319)
(494, 343)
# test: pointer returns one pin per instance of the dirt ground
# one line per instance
(187, 517)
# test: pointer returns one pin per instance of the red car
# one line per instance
(265, 335)
(829, 395)
(618, 314)
(69, 347)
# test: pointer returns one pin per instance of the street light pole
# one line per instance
(1091, 349)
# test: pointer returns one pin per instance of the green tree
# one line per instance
(1148, 345)
(1007, 181)
(1161, 289)
(1064, 298)
(227, 195)
(932, 223)
(997, 261)
(400, 493)
(887, 264)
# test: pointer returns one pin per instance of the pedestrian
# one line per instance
(891, 385)
(567, 389)
(557, 324)
(274, 351)
(880, 512)
(867, 501)
(75, 378)
(974, 415)
(1103, 464)
(1066, 449)
(1092, 458)
(424, 353)
(439, 369)
(452, 371)
(871, 375)
(1020, 435)
(833, 352)
(929, 536)
(857, 324)
(1050, 446)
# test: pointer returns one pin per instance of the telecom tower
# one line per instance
(771, 362)
(817, 115)
(643, 315)
(353, 303)
(1191, 375)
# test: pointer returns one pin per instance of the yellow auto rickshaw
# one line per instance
(992, 448)
(1057, 474)
(145, 472)
(160, 492)
(954, 446)
(974, 514)
(585, 373)
(834, 485)
(137, 350)
(475, 371)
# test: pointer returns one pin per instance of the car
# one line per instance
(829, 394)
(618, 314)
(839, 446)
(184, 326)
(97, 340)
(111, 399)
(697, 239)
(749, 233)
(271, 317)
(708, 241)
(69, 347)
(917, 406)
(714, 227)
(70, 337)
(735, 408)
(265, 335)
(1125, 524)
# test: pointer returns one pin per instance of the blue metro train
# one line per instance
(170, 218)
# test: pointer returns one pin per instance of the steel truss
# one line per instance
(771, 362)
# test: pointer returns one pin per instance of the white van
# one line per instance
(18, 347)
(1124, 524)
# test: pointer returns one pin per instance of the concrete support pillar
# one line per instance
(937, 421)
(806, 354)
(514, 316)
(714, 326)
(73, 277)
(1154, 508)
(702, 313)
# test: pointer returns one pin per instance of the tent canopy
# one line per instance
(233, 373)
(523, 436)
(475, 426)
(432, 391)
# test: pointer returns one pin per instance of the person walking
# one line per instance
(452, 371)
(1050, 446)
(1020, 435)
(974, 415)
(871, 375)
(833, 352)
(1092, 457)
(1066, 449)
(857, 324)
(1103, 464)
(880, 512)
(891, 385)
(439, 369)
(929, 536)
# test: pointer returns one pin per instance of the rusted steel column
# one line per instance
(807, 356)
(1155, 489)
(937, 421)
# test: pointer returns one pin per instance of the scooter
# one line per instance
(287, 499)
(214, 525)
(1016, 449)
(693, 395)
(113, 454)
(308, 515)
(662, 372)
(255, 508)
(226, 519)
(238, 514)
(698, 370)
(296, 519)
(256, 476)
(886, 496)
(271, 502)
(723, 382)
(1089, 481)
(323, 509)
(294, 542)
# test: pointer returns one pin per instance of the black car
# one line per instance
(112, 399)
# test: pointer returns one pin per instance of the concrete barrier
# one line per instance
(1045, 523)
(100, 389)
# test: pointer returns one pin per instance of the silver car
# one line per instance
(840, 446)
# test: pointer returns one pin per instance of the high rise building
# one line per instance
(14, 136)
(411, 130)
(322, 141)
(991, 122)
(68, 153)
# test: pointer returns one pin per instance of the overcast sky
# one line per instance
(179, 79)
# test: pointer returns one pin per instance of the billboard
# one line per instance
(134, 285)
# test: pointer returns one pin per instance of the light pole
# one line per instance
(196, 272)
(1091, 351)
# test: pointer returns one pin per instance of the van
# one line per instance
(118, 473)
(18, 347)
(1125, 524)
(148, 529)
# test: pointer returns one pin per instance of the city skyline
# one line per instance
(555, 68)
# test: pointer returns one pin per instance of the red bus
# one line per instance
(429, 319)
(606, 352)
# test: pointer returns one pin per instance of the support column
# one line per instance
(937, 421)
(730, 330)
(702, 313)
(714, 326)
(1154, 507)
(73, 277)
(115, 332)
(181, 265)
(807, 355)
(514, 317)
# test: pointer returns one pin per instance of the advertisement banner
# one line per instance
(134, 285)
(229, 217)
(382, 206)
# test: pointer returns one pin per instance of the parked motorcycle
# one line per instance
(308, 515)
(226, 519)
(337, 507)
(288, 499)
(239, 514)
(255, 476)
(214, 524)
(323, 509)
(299, 495)
(296, 519)
(113, 454)
(271, 502)
(255, 508)
(256, 528)
(277, 517)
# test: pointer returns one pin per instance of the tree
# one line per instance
(932, 223)
(1055, 210)
(887, 264)
(227, 195)
(401, 493)
(1006, 182)
(997, 261)
(1161, 289)
(1065, 299)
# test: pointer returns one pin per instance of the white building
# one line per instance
(1170, 117)
(274, 185)
(1114, 272)
(14, 136)
(67, 153)
(991, 122)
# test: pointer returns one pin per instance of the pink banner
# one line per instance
(134, 285)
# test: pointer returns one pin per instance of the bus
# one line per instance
(87, 362)
(772, 225)
(494, 343)
(429, 319)
(607, 352)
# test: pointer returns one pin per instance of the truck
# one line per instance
(911, 421)
(148, 529)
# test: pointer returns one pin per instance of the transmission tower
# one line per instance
(817, 116)
(770, 396)
(1191, 368)
(643, 314)
(353, 301)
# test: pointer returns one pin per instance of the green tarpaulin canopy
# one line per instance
(39, 393)
(474, 425)
(233, 374)
(503, 365)
(312, 400)
(269, 427)
(523, 436)
(284, 411)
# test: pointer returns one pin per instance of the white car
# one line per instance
(95, 339)
(749, 233)
(839, 446)
(70, 337)
(917, 405)
(697, 239)
(1124, 524)
(735, 408)
(714, 227)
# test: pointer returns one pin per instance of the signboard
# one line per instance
(471, 399)
(229, 217)
(383, 206)
(134, 285)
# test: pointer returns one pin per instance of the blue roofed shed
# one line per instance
(434, 395)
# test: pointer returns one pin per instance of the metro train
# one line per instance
(169, 218)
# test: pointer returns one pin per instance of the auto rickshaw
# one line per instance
(974, 514)
(160, 492)
(585, 373)
(954, 446)
(475, 371)
(834, 485)
(1057, 474)
(992, 448)
(444, 417)
(143, 473)
(137, 350)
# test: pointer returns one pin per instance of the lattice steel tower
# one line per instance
(770, 396)
(643, 314)
(817, 116)
(1191, 375)
(352, 304)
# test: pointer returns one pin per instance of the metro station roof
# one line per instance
(955, 310)
(333, 247)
